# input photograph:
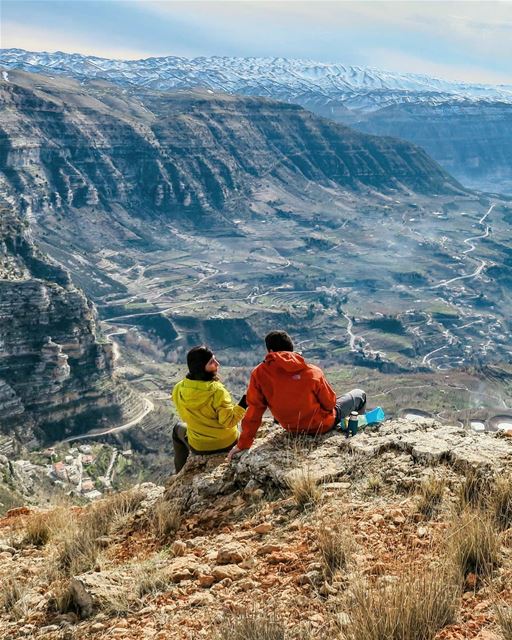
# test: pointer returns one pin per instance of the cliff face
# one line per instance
(56, 377)
(65, 145)
(470, 141)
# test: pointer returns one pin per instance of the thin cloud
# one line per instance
(32, 38)
(396, 61)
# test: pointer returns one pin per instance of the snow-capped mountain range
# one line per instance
(302, 81)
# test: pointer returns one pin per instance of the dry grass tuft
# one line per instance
(430, 495)
(150, 579)
(415, 607)
(500, 502)
(118, 602)
(37, 530)
(80, 545)
(165, 519)
(12, 595)
(504, 617)
(474, 491)
(304, 487)
(78, 553)
(374, 483)
(252, 626)
(335, 547)
(474, 545)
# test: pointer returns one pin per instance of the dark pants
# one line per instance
(354, 400)
(182, 449)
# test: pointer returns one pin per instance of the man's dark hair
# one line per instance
(278, 341)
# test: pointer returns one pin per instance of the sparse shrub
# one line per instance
(150, 578)
(430, 495)
(11, 597)
(474, 490)
(415, 607)
(504, 617)
(334, 546)
(113, 511)
(61, 600)
(374, 483)
(474, 545)
(117, 602)
(252, 626)
(41, 526)
(78, 553)
(165, 519)
(304, 487)
(37, 530)
(80, 548)
(500, 502)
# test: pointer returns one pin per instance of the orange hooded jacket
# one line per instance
(297, 394)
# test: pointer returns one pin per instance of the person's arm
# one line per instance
(325, 394)
(252, 419)
(228, 414)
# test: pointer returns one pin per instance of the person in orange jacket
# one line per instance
(297, 394)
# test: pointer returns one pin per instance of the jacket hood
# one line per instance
(195, 393)
(288, 360)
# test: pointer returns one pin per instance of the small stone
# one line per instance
(5, 548)
(205, 581)
(178, 548)
(232, 553)
(264, 527)
(201, 599)
(311, 577)
(122, 623)
(266, 549)
(227, 582)
(247, 585)
(248, 563)
(377, 518)
(232, 571)
(97, 626)
(149, 609)
(421, 532)
(471, 581)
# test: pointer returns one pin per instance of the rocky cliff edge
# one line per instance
(281, 542)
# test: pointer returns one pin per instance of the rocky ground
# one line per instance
(277, 544)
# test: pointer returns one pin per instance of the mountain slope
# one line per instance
(183, 155)
(464, 127)
(56, 375)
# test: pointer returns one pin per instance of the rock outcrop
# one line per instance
(274, 460)
(56, 373)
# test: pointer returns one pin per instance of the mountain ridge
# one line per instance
(245, 75)
(472, 147)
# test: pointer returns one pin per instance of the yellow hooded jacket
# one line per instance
(209, 413)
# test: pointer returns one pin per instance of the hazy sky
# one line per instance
(462, 40)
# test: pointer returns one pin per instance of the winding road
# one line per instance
(148, 407)
(482, 264)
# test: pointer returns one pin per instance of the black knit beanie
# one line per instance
(197, 359)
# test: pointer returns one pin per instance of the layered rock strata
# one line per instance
(56, 375)
(188, 155)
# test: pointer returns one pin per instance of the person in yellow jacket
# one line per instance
(205, 406)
